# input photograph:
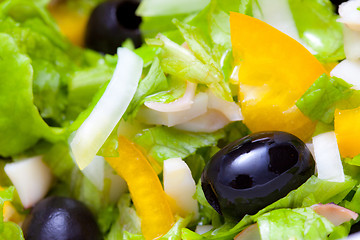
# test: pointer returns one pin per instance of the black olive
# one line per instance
(255, 171)
(111, 23)
(336, 3)
(355, 228)
(60, 218)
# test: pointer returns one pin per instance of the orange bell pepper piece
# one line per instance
(347, 130)
(145, 188)
(71, 23)
(275, 70)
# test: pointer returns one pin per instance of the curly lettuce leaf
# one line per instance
(20, 122)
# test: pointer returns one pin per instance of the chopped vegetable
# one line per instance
(270, 79)
(347, 129)
(93, 133)
(151, 203)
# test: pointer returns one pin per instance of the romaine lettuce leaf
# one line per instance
(318, 28)
(163, 143)
(313, 191)
(319, 101)
(20, 122)
(8, 230)
(155, 81)
(299, 223)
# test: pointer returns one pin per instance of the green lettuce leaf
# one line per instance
(299, 223)
(313, 191)
(318, 28)
(163, 143)
(8, 230)
(155, 81)
(319, 101)
(24, 127)
(127, 225)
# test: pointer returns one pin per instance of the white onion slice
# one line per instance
(180, 186)
(95, 172)
(335, 213)
(108, 111)
(349, 71)
(211, 121)
(350, 15)
(170, 119)
(230, 109)
(31, 178)
(201, 229)
(351, 44)
(327, 157)
(250, 233)
(180, 104)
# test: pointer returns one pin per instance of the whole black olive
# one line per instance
(60, 218)
(255, 171)
(111, 23)
(336, 3)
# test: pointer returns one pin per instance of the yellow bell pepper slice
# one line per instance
(71, 23)
(145, 188)
(275, 70)
(347, 130)
(10, 214)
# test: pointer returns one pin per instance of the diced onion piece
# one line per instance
(180, 104)
(211, 121)
(327, 157)
(335, 213)
(31, 178)
(349, 71)
(108, 111)
(351, 44)
(201, 229)
(250, 233)
(350, 15)
(230, 109)
(95, 172)
(170, 119)
(180, 187)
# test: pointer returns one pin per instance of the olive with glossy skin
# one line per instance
(255, 171)
(336, 3)
(111, 23)
(60, 218)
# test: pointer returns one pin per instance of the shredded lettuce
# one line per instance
(8, 230)
(299, 223)
(163, 143)
(318, 28)
(154, 82)
(319, 101)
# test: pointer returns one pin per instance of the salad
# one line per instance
(201, 119)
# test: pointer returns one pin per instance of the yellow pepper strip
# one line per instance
(10, 213)
(347, 130)
(145, 188)
(71, 23)
(275, 71)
